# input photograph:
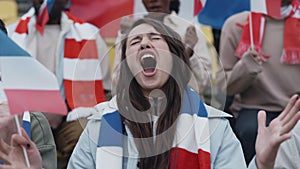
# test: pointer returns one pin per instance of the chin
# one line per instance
(149, 86)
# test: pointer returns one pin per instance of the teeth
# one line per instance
(147, 56)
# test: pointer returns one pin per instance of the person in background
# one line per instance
(265, 77)
(74, 51)
(194, 40)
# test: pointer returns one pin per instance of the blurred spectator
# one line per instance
(265, 77)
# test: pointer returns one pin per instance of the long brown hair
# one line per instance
(136, 117)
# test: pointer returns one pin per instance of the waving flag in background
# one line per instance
(215, 12)
(28, 85)
(100, 13)
(198, 5)
(43, 16)
(268, 7)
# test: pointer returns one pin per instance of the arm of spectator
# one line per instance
(243, 73)
(240, 73)
(41, 135)
(201, 64)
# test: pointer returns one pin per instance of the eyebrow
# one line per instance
(154, 34)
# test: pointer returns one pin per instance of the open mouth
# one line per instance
(155, 8)
(148, 63)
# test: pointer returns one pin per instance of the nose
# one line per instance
(145, 43)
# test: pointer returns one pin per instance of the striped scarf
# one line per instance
(191, 146)
(291, 49)
(82, 74)
(26, 126)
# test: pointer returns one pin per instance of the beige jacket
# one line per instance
(268, 86)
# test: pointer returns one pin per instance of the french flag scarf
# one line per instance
(82, 74)
(191, 145)
(291, 49)
(26, 126)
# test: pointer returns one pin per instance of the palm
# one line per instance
(269, 138)
(15, 158)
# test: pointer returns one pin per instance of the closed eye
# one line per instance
(155, 36)
(135, 40)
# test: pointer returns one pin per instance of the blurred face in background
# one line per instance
(157, 9)
(157, 5)
(55, 13)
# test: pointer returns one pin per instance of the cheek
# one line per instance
(167, 64)
(166, 59)
(132, 62)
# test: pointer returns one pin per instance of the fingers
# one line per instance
(3, 158)
(255, 55)
(4, 147)
(191, 31)
(24, 134)
(18, 140)
(291, 124)
(285, 115)
(291, 115)
(125, 23)
(6, 167)
(283, 138)
(190, 38)
(4, 150)
(261, 118)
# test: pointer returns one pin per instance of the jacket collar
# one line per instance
(111, 106)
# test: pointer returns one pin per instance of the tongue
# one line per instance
(149, 64)
(149, 70)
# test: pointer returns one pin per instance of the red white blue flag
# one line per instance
(268, 7)
(43, 16)
(28, 85)
(104, 13)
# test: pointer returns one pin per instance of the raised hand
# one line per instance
(12, 155)
(126, 23)
(256, 56)
(190, 37)
(269, 138)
